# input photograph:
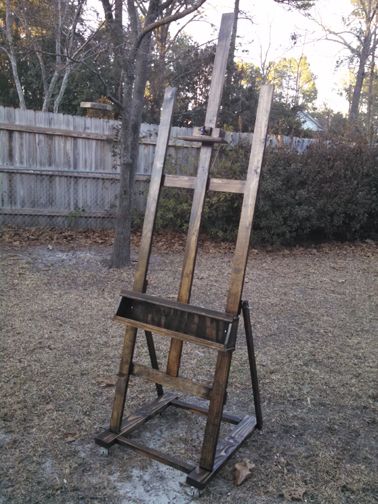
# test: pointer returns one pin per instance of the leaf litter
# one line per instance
(314, 313)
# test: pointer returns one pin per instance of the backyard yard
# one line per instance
(315, 320)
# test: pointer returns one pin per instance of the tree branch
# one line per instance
(168, 19)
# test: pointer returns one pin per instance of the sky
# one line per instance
(270, 29)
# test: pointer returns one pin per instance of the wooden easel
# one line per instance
(180, 320)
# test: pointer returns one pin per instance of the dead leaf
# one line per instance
(242, 471)
(107, 382)
(294, 494)
(70, 437)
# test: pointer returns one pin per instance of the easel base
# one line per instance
(197, 476)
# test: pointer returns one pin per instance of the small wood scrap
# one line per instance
(242, 471)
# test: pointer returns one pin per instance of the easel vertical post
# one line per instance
(144, 255)
(215, 96)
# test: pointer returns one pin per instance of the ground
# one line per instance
(314, 313)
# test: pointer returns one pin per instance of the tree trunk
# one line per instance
(12, 55)
(355, 105)
(130, 128)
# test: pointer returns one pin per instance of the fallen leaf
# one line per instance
(242, 471)
(294, 494)
(69, 437)
(107, 382)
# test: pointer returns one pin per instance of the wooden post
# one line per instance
(190, 255)
(144, 255)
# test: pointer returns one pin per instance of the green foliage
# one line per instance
(327, 193)
(294, 82)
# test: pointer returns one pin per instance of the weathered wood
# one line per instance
(54, 131)
(106, 107)
(143, 414)
(215, 184)
(214, 417)
(178, 383)
(205, 139)
(154, 190)
(200, 410)
(227, 185)
(144, 254)
(239, 261)
(199, 477)
(179, 181)
(165, 458)
(190, 254)
(55, 213)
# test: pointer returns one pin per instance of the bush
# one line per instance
(330, 192)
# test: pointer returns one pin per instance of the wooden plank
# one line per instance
(69, 173)
(199, 310)
(143, 414)
(51, 212)
(190, 254)
(200, 410)
(144, 255)
(178, 383)
(156, 455)
(154, 189)
(174, 334)
(179, 181)
(205, 139)
(227, 185)
(200, 477)
(215, 184)
(214, 417)
(239, 261)
(107, 107)
(54, 131)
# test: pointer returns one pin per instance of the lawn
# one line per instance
(315, 321)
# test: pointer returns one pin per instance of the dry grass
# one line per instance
(314, 314)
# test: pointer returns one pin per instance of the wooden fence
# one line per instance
(61, 170)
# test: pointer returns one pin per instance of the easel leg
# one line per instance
(153, 359)
(215, 410)
(252, 363)
(123, 379)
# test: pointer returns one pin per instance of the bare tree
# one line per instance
(144, 18)
(35, 23)
(8, 47)
(358, 36)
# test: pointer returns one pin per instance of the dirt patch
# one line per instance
(314, 315)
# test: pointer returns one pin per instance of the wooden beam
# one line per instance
(52, 212)
(144, 255)
(200, 477)
(143, 414)
(21, 128)
(239, 261)
(178, 383)
(190, 254)
(105, 107)
(173, 334)
(200, 410)
(156, 455)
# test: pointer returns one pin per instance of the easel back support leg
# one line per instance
(252, 363)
